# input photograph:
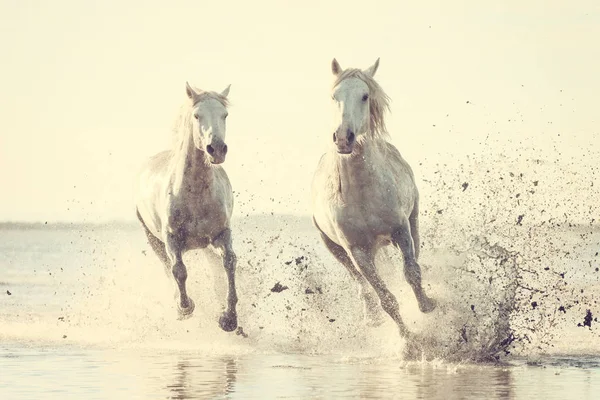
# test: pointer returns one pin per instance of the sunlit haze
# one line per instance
(89, 90)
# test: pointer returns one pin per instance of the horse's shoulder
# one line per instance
(160, 160)
(392, 151)
(321, 165)
(161, 157)
(393, 155)
(221, 176)
(321, 160)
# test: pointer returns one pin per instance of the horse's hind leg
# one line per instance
(228, 320)
(365, 261)
(403, 239)
(371, 306)
(186, 308)
(414, 229)
(174, 250)
(157, 245)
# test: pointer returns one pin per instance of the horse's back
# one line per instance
(224, 190)
(398, 172)
(159, 161)
(399, 166)
(150, 184)
(323, 195)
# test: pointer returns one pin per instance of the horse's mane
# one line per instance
(377, 133)
(379, 102)
(182, 130)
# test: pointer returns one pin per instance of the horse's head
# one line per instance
(352, 97)
(209, 110)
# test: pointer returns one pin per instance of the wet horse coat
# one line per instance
(364, 194)
(184, 199)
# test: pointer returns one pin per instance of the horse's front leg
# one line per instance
(174, 248)
(228, 320)
(371, 309)
(403, 239)
(366, 263)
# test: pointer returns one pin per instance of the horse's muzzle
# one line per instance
(217, 151)
(344, 141)
(344, 151)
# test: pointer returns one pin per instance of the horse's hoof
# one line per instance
(419, 346)
(428, 305)
(413, 351)
(240, 332)
(186, 312)
(228, 322)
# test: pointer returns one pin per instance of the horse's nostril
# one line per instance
(224, 149)
(350, 136)
(210, 149)
(333, 137)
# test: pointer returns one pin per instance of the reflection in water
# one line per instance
(293, 376)
(202, 378)
(473, 382)
(74, 373)
(299, 376)
(416, 380)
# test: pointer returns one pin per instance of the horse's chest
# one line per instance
(361, 227)
(370, 200)
(366, 212)
(198, 223)
(352, 217)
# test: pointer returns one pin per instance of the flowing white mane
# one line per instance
(182, 131)
(378, 101)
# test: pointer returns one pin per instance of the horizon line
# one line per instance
(120, 222)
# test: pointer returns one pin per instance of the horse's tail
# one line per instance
(137, 211)
(383, 256)
(386, 253)
(387, 260)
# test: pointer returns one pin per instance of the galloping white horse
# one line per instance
(184, 199)
(364, 194)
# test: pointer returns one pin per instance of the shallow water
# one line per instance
(86, 311)
(90, 315)
(72, 372)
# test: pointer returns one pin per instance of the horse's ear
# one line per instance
(225, 92)
(190, 92)
(373, 68)
(335, 67)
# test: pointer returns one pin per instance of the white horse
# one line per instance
(184, 199)
(364, 194)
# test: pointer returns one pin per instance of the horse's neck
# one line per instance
(355, 171)
(192, 172)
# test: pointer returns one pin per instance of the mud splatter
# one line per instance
(520, 219)
(522, 281)
(278, 288)
(587, 320)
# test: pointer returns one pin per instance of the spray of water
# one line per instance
(509, 250)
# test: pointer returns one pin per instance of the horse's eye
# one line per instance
(196, 116)
(225, 116)
(365, 97)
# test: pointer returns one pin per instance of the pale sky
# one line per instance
(89, 89)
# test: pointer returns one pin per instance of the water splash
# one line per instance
(523, 252)
(508, 251)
